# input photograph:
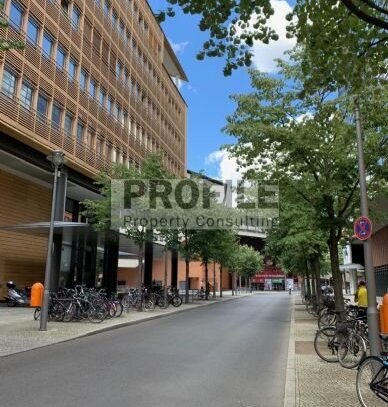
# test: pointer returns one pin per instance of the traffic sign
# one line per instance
(363, 228)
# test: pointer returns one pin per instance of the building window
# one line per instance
(122, 30)
(106, 8)
(16, 15)
(126, 78)
(118, 113)
(83, 79)
(72, 69)
(56, 116)
(75, 17)
(96, 40)
(90, 138)
(42, 106)
(68, 124)
(101, 96)
(61, 58)
(9, 83)
(119, 68)
(109, 104)
(100, 146)
(80, 132)
(114, 19)
(65, 6)
(26, 93)
(32, 31)
(47, 45)
(92, 88)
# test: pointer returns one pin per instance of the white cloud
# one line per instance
(225, 164)
(264, 54)
(179, 47)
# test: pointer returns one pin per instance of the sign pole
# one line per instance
(373, 317)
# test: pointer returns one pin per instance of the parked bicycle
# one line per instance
(345, 343)
(372, 379)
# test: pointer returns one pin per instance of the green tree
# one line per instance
(297, 243)
(250, 263)
(99, 211)
(307, 141)
(225, 249)
(334, 36)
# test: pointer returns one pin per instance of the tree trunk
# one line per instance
(337, 276)
(206, 281)
(187, 261)
(140, 275)
(307, 283)
(315, 280)
(233, 283)
(221, 280)
(239, 284)
(214, 279)
(316, 268)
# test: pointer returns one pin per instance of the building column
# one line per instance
(111, 260)
(174, 268)
(148, 262)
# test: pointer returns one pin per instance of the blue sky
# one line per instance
(207, 92)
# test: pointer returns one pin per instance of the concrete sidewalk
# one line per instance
(313, 381)
(19, 332)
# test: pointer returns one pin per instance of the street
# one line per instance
(230, 354)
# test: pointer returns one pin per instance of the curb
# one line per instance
(125, 324)
(290, 386)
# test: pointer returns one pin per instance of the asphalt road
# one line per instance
(231, 354)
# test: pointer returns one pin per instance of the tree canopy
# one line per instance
(333, 34)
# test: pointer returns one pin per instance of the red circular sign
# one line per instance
(363, 228)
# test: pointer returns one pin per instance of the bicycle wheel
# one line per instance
(119, 308)
(70, 312)
(176, 301)
(371, 370)
(148, 304)
(37, 313)
(97, 313)
(57, 312)
(162, 302)
(351, 351)
(326, 344)
(327, 318)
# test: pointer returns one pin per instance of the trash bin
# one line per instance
(36, 295)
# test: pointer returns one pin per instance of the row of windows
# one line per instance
(68, 63)
(29, 97)
(136, 53)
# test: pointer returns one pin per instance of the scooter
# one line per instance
(15, 296)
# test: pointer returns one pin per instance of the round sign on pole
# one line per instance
(363, 228)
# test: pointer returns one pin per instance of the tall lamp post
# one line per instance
(373, 317)
(57, 159)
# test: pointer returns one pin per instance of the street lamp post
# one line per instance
(57, 159)
(373, 320)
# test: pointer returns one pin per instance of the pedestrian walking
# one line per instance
(361, 298)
